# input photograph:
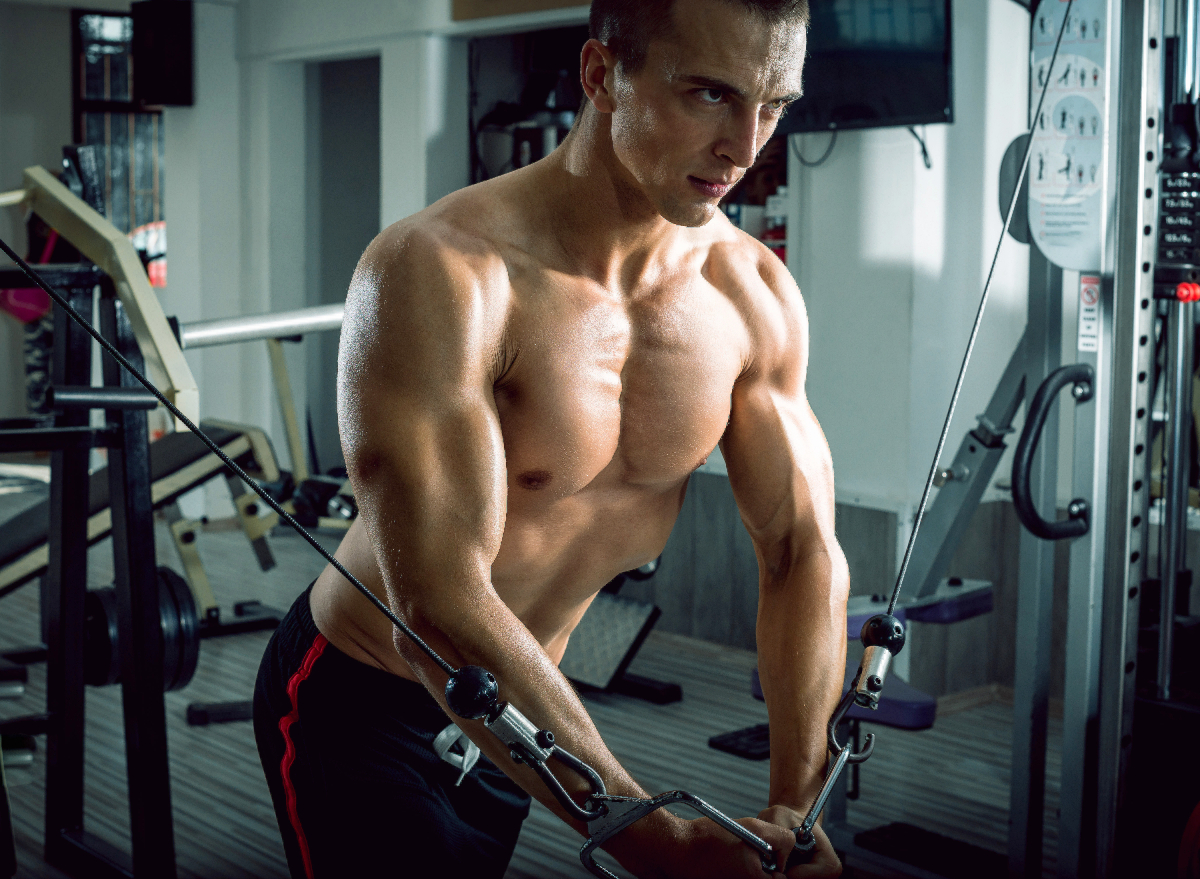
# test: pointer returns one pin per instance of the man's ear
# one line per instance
(597, 67)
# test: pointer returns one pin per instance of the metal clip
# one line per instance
(872, 673)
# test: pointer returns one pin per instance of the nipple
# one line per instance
(534, 480)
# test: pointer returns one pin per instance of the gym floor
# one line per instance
(952, 779)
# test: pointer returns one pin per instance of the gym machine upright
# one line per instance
(1092, 209)
(1089, 205)
(151, 655)
(148, 664)
(1112, 102)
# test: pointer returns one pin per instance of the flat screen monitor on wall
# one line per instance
(874, 64)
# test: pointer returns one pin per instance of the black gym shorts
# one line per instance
(357, 786)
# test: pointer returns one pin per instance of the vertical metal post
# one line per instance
(1133, 247)
(139, 618)
(1104, 455)
(287, 407)
(1180, 332)
(66, 585)
(1081, 685)
(1035, 589)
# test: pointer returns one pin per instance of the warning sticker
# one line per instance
(1089, 313)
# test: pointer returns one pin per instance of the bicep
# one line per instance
(779, 463)
(780, 470)
(419, 427)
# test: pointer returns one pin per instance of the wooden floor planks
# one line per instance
(952, 779)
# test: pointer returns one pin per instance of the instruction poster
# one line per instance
(1066, 163)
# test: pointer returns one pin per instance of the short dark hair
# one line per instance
(626, 27)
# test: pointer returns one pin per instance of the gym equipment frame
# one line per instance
(125, 435)
(1108, 516)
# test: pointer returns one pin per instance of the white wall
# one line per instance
(892, 258)
(343, 216)
(237, 166)
(35, 124)
(203, 191)
(423, 141)
(316, 29)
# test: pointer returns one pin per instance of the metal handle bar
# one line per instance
(1082, 376)
(72, 397)
(806, 842)
(620, 812)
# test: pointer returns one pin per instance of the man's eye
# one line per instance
(776, 108)
(710, 96)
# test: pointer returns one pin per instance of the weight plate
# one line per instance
(184, 626)
(180, 633)
(100, 662)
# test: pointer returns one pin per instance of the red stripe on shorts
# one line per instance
(289, 755)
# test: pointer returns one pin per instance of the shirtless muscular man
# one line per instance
(530, 370)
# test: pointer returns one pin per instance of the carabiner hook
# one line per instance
(831, 730)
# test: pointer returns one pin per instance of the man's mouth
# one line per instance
(710, 189)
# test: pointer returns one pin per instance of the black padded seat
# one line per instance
(179, 462)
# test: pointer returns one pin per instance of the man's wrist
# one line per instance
(801, 791)
(650, 847)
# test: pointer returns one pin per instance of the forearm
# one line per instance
(488, 635)
(801, 660)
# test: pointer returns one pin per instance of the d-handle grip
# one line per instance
(1082, 376)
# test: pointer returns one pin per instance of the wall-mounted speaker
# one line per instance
(162, 53)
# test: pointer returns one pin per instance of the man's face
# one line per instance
(691, 121)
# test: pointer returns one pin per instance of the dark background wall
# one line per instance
(343, 215)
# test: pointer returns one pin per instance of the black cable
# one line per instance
(924, 149)
(962, 372)
(225, 459)
(824, 156)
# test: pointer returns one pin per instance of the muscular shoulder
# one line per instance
(766, 296)
(430, 284)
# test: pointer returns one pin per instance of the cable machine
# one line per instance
(1113, 194)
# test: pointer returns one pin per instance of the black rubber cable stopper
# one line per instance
(884, 630)
(472, 692)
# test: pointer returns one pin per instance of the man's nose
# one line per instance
(740, 142)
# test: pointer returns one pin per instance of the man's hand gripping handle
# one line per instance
(472, 693)
(882, 638)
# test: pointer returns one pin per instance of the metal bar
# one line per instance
(108, 247)
(88, 397)
(1180, 326)
(15, 197)
(50, 439)
(1138, 125)
(1186, 26)
(227, 331)
(8, 842)
(183, 533)
(139, 619)
(287, 404)
(86, 855)
(28, 725)
(1081, 687)
(1035, 586)
(56, 275)
(66, 582)
(974, 465)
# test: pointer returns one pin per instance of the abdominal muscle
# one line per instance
(548, 583)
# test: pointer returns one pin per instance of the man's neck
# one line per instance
(602, 219)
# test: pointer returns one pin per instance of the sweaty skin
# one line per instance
(531, 369)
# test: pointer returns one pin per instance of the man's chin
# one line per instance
(689, 214)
